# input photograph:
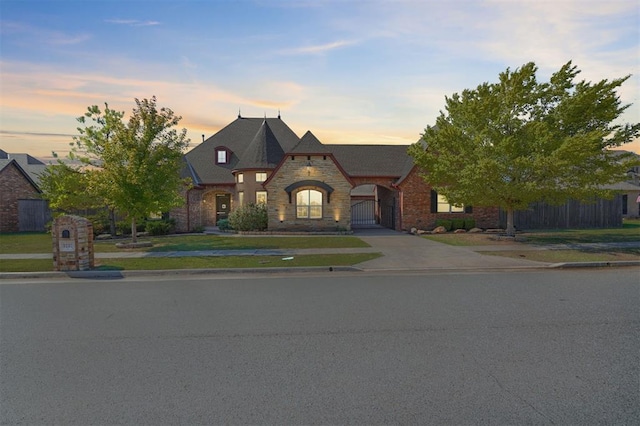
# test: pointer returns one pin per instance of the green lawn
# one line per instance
(630, 231)
(44, 265)
(560, 256)
(41, 243)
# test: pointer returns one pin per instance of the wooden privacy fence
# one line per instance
(33, 215)
(574, 214)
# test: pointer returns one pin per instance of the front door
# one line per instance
(223, 206)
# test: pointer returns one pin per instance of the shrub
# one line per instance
(249, 217)
(160, 227)
(457, 224)
(448, 224)
(223, 225)
(469, 223)
(124, 226)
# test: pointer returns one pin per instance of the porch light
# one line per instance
(309, 167)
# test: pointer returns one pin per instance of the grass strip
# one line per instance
(203, 262)
(560, 256)
(23, 242)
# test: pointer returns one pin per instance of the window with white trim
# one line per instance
(261, 176)
(309, 204)
(261, 197)
(240, 177)
(222, 155)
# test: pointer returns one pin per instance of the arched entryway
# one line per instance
(373, 206)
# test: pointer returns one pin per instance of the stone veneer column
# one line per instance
(72, 244)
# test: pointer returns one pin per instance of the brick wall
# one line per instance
(336, 214)
(14, 186)
(416, 207)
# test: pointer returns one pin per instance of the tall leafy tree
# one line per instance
(136, 163)
(67, 187)
(519, 141)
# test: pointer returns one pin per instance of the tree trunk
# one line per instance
(511, 230)
(112, 223)
(134, 232)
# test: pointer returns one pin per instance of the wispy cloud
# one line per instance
(42, 35)
(132, 22)
(317, 49)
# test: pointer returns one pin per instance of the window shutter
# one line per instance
(434, 201)
(468, 209)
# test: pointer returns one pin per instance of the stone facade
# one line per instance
(14, 186)
(322, 173)
(72, 244)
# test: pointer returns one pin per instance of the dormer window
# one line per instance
(222, 155)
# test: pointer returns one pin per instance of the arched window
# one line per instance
(309, 204)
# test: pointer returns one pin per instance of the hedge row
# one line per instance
(453, 224)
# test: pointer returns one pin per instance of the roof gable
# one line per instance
(28, 165)
(309, 144)
(6, 164)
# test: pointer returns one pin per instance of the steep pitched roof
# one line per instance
(371, 160)
(30, 166)
(264, 151)
(309, 144)
(5, 164)
(237, 136)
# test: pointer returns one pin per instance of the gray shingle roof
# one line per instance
(371, 160)
(264, 151)
(237, 136)
(309, 144)
(31, 166)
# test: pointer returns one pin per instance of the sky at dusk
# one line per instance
(360, 71)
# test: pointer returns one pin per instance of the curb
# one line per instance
(617, 263)
(140, 273)
(302, 269)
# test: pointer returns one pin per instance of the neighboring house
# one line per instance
(21, 207)
(310, 186)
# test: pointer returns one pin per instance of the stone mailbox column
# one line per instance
(72, 244)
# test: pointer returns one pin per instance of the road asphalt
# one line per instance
(401, 252)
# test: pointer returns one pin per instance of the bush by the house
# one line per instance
(223, 225)
(446, 223)
(457, 224)
(249, 217)
(160, 227)
(124, 227)
(469, 223)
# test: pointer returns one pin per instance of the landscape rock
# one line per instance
(475, 230)
(440, 230)
(460, 231)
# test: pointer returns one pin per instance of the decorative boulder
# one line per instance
(460, 231)
(440, 230)
(414, 231)
(475, 230)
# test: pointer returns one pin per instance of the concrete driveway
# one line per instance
(404, 251)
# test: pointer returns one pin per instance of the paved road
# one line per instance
(539, 346)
